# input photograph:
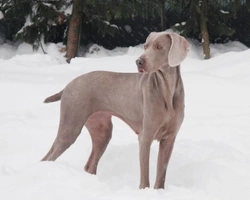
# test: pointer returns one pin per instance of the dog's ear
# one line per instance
(178, 49)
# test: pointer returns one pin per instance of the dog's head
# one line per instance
(162, 48)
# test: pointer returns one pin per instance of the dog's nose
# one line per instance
(140, 62)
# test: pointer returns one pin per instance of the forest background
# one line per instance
(121, 23)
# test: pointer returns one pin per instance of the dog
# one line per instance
(150, 102)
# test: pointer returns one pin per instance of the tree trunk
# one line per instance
(163, 15)
(74, 30)
(204, 31)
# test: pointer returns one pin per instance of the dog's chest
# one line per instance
(170, 127)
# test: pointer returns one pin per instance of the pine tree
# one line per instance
(104, 21)
(163, 15)
(14, 12)
(97, 14)
(204, 19)
(43, 16)
(204, 29)
(240, 21)
(33, 21)
(74, 30)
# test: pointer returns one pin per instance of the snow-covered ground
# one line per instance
(211, 158)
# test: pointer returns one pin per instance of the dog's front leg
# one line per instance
(144, 152)
(165, 151)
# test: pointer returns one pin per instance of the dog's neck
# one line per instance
(171, 75)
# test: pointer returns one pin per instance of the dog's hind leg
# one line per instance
(72, 120)
(100, 129)
(65, 138)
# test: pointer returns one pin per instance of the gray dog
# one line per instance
(151, 103)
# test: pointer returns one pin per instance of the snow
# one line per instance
(28, 22)
(112, 25)
(67, 10)
(211, 158)
(224, 12)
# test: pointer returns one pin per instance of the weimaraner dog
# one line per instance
(151, 103)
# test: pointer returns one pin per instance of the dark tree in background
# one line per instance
(163, 15)
(206, 20)
(203, 27)
(100, 21)
(74, 29)
(15, 13)
(31, 21)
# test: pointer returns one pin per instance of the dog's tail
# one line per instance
(53, 98)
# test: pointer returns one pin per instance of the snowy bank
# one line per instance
(211, 158)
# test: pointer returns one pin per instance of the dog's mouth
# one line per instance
(141, 70)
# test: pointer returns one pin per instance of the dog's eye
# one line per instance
(159, 47)
(145, 46)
